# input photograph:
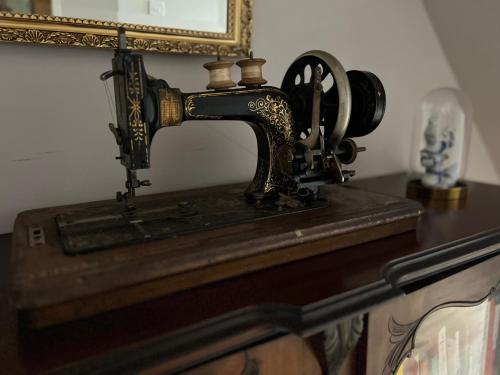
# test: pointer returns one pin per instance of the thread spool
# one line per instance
(251, 71)
(219, 74)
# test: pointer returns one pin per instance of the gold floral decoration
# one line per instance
(275, 111)
(278, 119)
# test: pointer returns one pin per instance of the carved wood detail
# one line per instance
(340, 339)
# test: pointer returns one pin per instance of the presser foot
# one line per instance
(128, 197)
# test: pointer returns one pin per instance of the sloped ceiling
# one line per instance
(469, 32)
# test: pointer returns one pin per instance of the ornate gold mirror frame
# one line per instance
(66, 31)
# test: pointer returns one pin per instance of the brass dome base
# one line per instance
(415, 189)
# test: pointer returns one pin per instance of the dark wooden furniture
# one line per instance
(276, 320)
(52, 287)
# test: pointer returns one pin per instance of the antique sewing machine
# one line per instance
(141, 247)
(304, 135)
(303, 131)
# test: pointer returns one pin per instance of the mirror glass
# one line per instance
(457, 340)
(199, 15)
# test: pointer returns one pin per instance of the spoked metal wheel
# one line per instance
(352, 104)
(335, 105)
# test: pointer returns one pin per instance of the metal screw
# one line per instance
(348, 173)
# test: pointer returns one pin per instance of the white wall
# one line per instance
(55, 147)
(469, 32)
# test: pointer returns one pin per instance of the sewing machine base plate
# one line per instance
(109, 225)
(51, 287)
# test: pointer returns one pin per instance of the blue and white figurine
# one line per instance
(441, 139)
(439, 156)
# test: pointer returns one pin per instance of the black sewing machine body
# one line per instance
(144, 105)
(303, 135)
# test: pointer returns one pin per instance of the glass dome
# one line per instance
(441, 139)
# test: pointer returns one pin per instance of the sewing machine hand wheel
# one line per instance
(352, 104)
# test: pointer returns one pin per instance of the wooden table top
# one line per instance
(313, 291)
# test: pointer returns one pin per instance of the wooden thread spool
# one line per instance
(251, 71)
(219, 74)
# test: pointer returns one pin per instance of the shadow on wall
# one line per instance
(468, 32)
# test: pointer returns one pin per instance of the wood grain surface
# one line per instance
(287, 355)
(51, 287)
(325, 287)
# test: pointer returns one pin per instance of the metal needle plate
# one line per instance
(110, 225)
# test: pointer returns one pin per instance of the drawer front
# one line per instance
(288, 355)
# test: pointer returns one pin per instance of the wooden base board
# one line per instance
(51, 288)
